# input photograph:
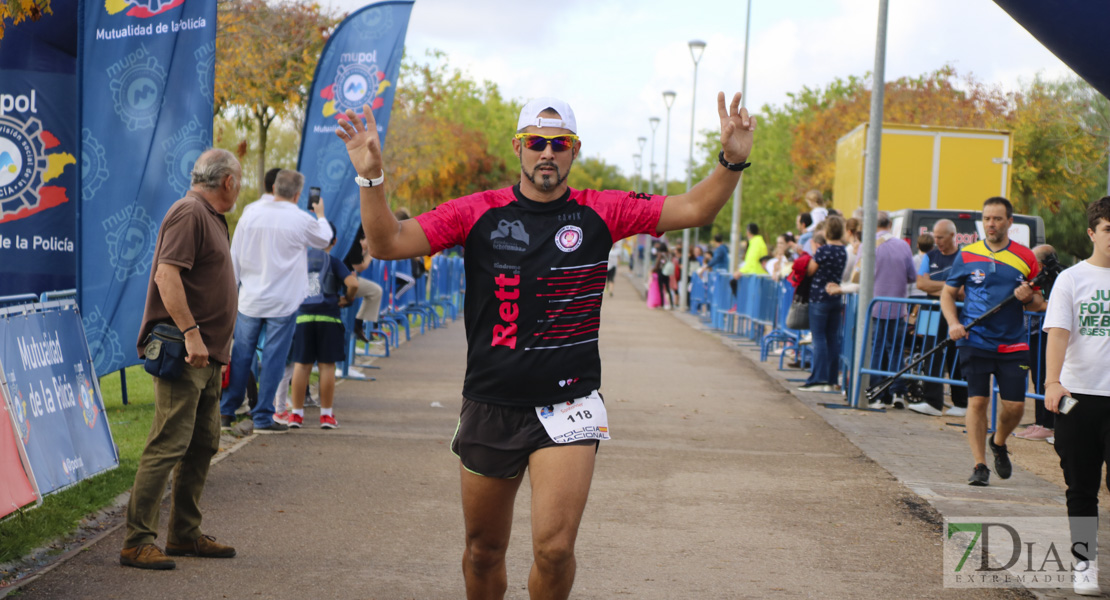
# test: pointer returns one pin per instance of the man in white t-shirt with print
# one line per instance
(1078, 328)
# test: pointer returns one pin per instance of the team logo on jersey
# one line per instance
(978, 276)
(513, 230)
(569, 238)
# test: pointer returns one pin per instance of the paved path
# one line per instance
(718, 484)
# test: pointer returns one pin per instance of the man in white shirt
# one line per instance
(1077, 325)
(269, 256)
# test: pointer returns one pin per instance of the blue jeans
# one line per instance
(824, 325)
(279, 338)
(889, 337)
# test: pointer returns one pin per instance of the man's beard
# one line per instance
(996, 238)
(547, 182)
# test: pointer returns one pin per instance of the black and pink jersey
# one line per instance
(535, 277)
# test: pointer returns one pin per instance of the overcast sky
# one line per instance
(612, 59)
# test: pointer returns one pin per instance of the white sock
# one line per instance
(299, 412)
(325, 412)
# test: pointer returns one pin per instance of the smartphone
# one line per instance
(1066, 404)
(313, 197)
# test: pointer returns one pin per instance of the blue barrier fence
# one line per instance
(426, 303)
(898, 331)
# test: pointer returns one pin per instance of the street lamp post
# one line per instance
(668, 100)
(697, 47)
(654, 122)
(637, 165)
(639, 170)
(734, 233)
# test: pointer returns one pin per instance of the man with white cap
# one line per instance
(536, 258)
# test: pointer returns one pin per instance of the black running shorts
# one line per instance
(495, 441)
(1010, 370)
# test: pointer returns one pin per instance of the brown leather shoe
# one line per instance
(146, 556)
(205, 546)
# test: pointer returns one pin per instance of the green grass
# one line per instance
(60, 513)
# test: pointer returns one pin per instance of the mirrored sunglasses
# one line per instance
(537, 142)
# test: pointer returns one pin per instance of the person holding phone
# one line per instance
(1078, 328)
(269, 255)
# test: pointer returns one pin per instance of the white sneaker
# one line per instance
(956, 411)
(925, 408)
(878, 404)
(1085, 579)
(899, 402)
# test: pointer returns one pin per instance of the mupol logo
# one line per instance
(358, 81)
(142, 9)
(25, 168)
(19, 405)
(87, 400)
(138, 85)
(130, 239)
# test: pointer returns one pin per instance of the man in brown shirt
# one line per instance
(192, 286)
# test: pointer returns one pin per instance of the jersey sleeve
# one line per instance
(1060, 313)
(957, 274)
(923, 268)
(625, 213)
(448, 224)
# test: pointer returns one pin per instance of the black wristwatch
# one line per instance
(732, 166)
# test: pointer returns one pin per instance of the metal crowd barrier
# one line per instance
(758, 307)
(441, 288)
(892, 344)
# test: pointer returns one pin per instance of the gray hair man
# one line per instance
(192, 287)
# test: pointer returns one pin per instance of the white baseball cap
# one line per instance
(530, 115)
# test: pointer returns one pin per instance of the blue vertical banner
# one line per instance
(147, 78)
(359, 65)
(54, 398)
(38, 153)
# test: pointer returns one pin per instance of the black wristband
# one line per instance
(732, 166)
(190, 329)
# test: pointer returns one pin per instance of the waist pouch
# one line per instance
(165, 352)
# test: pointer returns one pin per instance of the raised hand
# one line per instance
(363, 145)
(737, 128)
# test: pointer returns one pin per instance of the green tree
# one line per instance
(1061, 133)
(596, 174)
(281, 151)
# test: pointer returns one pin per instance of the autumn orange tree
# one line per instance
(448, 135)
(939, 98)
(266, 54)
(18, 11)
(1061, 132)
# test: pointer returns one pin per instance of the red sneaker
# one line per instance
(295, 421)
(328, 422)
(282, 417)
